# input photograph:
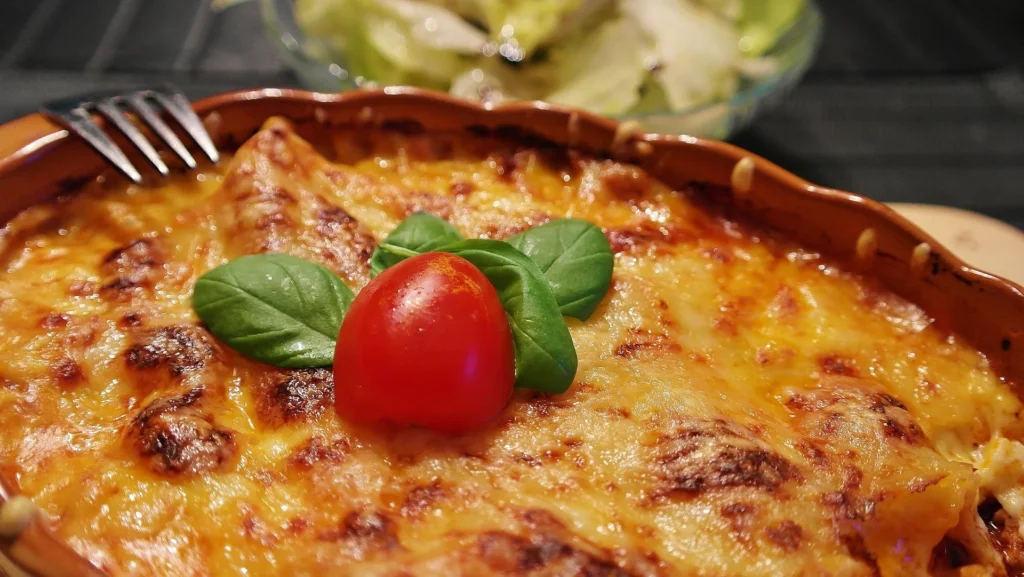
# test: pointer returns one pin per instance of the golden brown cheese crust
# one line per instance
(743, 407)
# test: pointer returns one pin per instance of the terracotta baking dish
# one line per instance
(38, 160)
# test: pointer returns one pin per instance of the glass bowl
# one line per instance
(322, 68)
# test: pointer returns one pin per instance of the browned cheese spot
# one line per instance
(741, 518)
(131, 320)
(274, 199)
(735, 313)
(294, 396)
(548, 548)
(646, 344)
(408, 204)
(318, 449)
(347, 246)
(784, 304)
(273, 143)
(67, 372)
(263, 210)
(850, 506)
(696, 457)
(527, 459)
(853, 477)
(334, 223)
(787, 535)
(922, 485)
(462, 188)
(81, 288)
(255, 529)
(366, 531)
(296, 526)
(420, 498)
(176, 349)
(72, 336)
(896, 421)
(813, 452)
(538, 555)
(174, 438)
(552, 455)
(620, 412)
(544, 405)
(136, 265)
(632, 350)
(837, 365)
(54, 321)
(845, 402)
(503, 228)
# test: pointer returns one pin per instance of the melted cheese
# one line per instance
(1001, 468)
(742, 406)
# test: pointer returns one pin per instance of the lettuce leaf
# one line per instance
(605, 70)
(529, 23)
(330, 20)
(435, 27)
(765, 21)
(410, 42)
(698, 52)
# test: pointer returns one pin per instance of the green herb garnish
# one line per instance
(545, 355)
(415, 235)
(274, 308)
(576, 259)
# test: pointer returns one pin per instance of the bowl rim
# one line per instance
(25, 140)
(293, 50)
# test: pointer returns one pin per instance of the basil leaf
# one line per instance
(577, 260)
(545, 355)
(417, 234)
(274, 308)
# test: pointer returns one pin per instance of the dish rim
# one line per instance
(26, 140)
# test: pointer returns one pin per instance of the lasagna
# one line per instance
(743, 406)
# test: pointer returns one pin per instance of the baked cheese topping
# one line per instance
(742, 407)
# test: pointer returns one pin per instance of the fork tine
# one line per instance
(78, 121)
(150, 117)
(110, 109)
(177, 105)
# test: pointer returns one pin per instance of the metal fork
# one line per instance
(75, 114)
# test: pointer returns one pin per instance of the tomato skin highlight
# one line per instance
(425, 343)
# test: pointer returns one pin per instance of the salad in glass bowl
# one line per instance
(702, 67)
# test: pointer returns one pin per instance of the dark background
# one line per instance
(910, 100)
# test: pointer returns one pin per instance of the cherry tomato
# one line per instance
(425, 343)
